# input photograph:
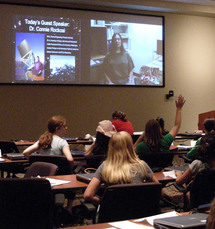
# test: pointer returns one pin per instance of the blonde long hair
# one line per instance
(121, 160)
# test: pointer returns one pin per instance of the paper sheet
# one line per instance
(150, 219)
(127, 224)
(170, 174)
(1, 159)
(54, 182)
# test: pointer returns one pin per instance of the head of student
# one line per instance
(209, 125)
(117, 43)
(206, 149)
(56, 126)
(153, 134)
(104, 131)
(121, 147)
(56, 123)
(121, 159)
(119, 115)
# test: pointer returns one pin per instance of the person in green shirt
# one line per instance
(152, 138)
(209, 125)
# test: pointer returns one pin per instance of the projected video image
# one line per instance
(127, 53)
(46, 45)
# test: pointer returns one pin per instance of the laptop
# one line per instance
(77, 153)
(10, 150)
(15, 156)
(197, 220)
(85, 177)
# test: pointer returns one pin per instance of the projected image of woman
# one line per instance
(118, 65)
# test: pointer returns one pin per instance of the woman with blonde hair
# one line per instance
(121, 166)
(51, 141)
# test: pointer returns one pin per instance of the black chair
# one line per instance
(41, 169)
(26, 203)
(95, 161)
(157, 160)
(60, 161)
(129, 201)
(203, 188)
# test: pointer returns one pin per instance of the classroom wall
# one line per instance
(189, 70)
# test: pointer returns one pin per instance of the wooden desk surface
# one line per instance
(24, 143)
(74, 184)
(9, 161)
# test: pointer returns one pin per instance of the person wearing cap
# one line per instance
(104, 131)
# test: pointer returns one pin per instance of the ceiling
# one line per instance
(190, 7)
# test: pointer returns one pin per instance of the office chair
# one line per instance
(203, 188)
(60, 161)
(157, 160)
(129, 201)
(26, 203)
(41, 169)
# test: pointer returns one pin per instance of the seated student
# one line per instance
(206, 151)
(152, 138)
(121, 123)
(51, 142)
(209, 125)
(121, 166)
(104, 131)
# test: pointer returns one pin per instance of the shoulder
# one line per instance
(59, 140)
(168, 138)
(195, 166)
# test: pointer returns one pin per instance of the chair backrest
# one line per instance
(26, 203)
(203, 188)
(157, 159)
(95, 161)
(60, 161)
(129, 201)
(8, 147)
(41, 169)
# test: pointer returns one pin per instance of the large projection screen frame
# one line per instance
(66, 46)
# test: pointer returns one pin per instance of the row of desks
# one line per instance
(75, 185)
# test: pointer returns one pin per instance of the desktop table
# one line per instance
(11, 165)
(75, 185)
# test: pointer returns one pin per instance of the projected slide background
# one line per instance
(60, 46)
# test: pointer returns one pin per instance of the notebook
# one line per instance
(86, 178)
(197, 220)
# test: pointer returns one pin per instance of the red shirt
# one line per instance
(123, 126)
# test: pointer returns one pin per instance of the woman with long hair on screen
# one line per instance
(118, 65)
(121, 166)
(152, 139)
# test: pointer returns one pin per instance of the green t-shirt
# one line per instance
(166, 141)
(193, 153)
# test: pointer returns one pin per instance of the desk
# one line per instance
(11, 165)
(24, 143)
(75, 185)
